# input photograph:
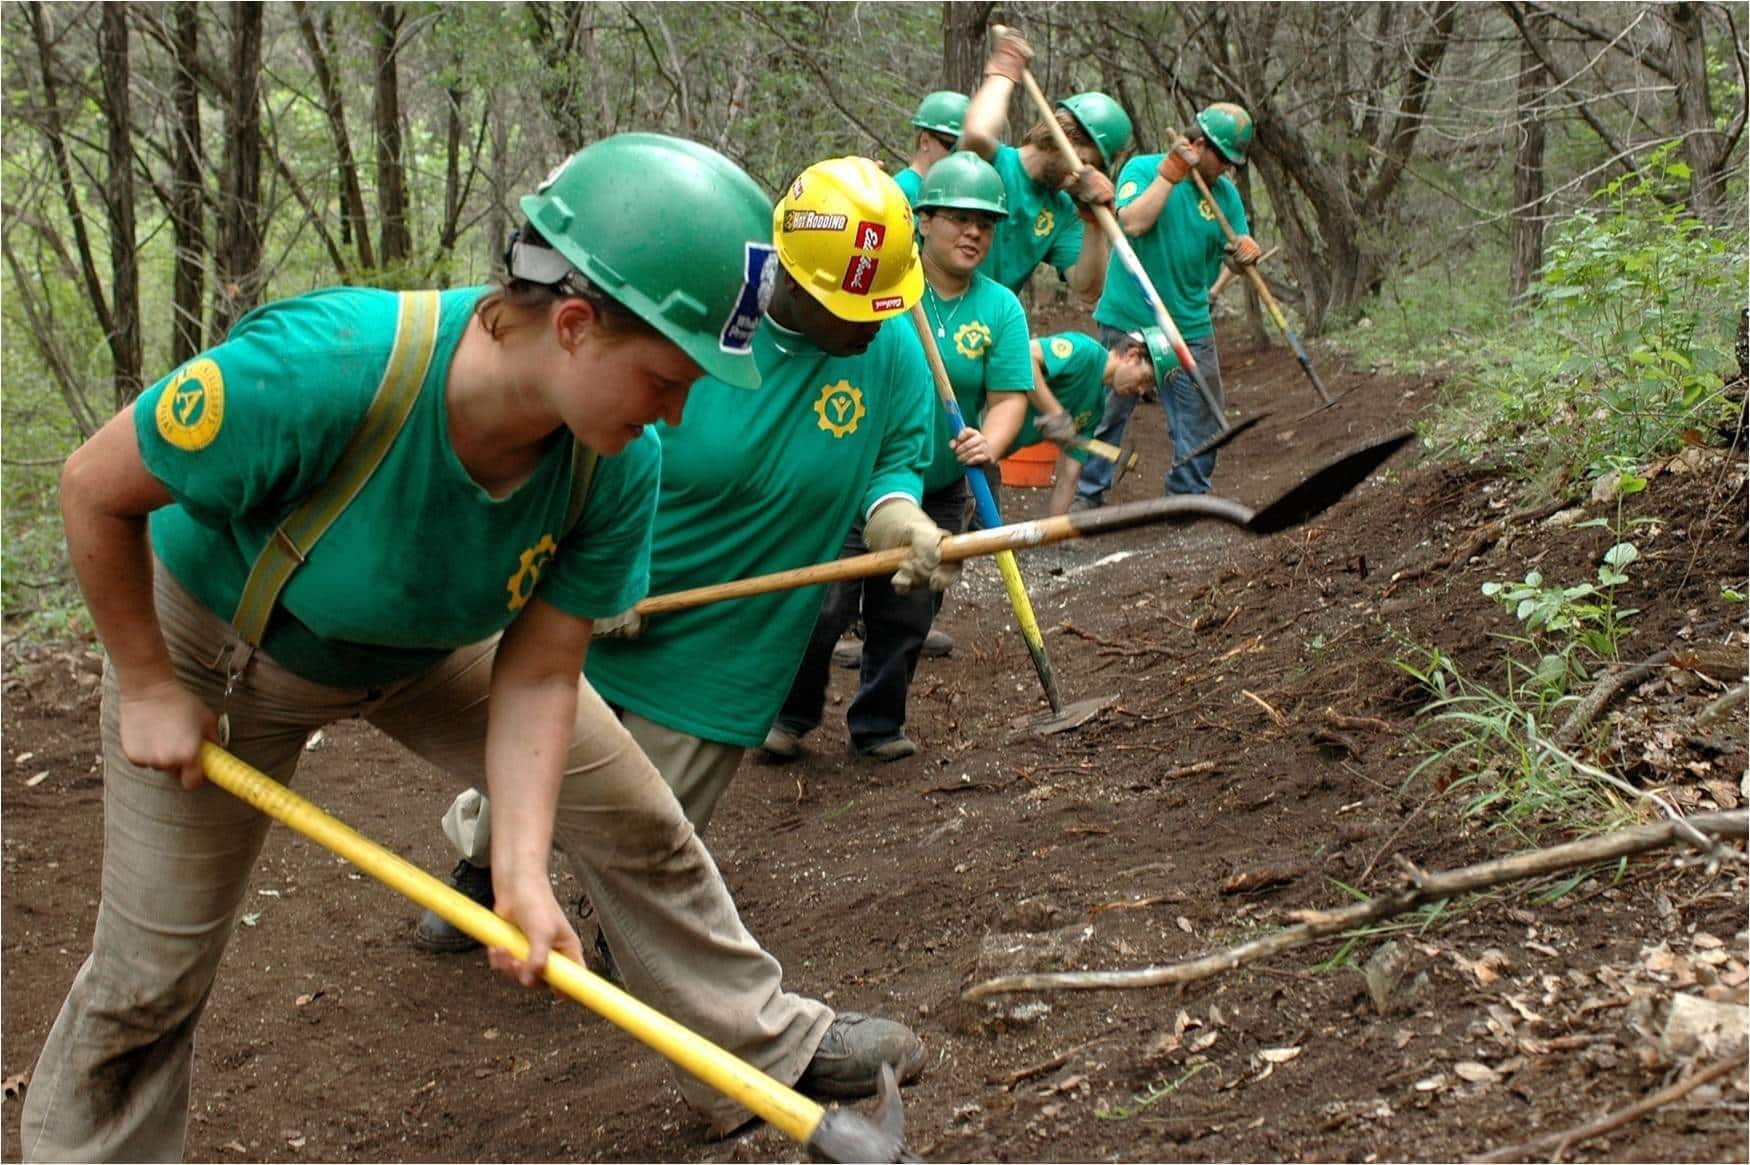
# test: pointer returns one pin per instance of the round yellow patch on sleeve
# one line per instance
(192, 406)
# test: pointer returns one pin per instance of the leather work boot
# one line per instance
(434, 933)
(847, 1064)
(780, 746)
(897, 749)
(937, 644)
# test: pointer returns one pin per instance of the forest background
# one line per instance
(1542, 203)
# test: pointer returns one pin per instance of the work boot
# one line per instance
(434, 933)
(848, 652)
(1082, 503)
(896, 749)
(781, 745)
(937, 644)
(847, 1064)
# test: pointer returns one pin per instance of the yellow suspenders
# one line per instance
(415, 339)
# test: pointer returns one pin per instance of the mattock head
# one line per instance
(846, 1135)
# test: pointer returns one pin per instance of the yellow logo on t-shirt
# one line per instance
(1044, 224)
(1204, 209)
(534, 561)
(840, 408)
(1126, 190)
(972, 340)
(1061, 348)
(192, 406)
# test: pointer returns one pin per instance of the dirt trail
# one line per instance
(890, 889)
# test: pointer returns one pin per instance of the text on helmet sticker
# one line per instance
(813, 220)
(759, 273)
(888, 303)
(870, 236)
(860, 274)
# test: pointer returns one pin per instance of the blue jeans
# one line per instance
(1188, 420)
(894, 627)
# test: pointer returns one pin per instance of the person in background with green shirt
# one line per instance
(754, 483)
(938, 124)
(1072, 373)
(981, 333)
(1181, 247)
(1049, 201)
(464, 531)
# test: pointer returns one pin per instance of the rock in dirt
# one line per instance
(1696, 1025)
(1017, 953)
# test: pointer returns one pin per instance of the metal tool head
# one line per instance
(1072, 715)
(1328, 486)
(1222, 438)
(844, 1134)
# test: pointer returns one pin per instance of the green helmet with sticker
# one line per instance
(1104, 120)
(942, 112)
(964, 181)
(695, 263)
(1229, 129)
(1160, 351)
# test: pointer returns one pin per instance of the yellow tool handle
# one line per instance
(1011, 572)
(785, 1108)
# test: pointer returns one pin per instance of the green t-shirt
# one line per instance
(423, 560)
(1042, 227)
(982, 336)
(1075, 371)
(756, 482)
(910, 183)
(1182, 253)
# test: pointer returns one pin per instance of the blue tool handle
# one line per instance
(983, 501)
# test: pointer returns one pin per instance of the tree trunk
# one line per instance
(238, 275)
(124, 341)
(1528, 212)
(1704, 147)
(354, 226)
(395, 243)
(963, 23)
(187, 214)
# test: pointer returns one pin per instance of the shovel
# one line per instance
(1312, 497)
(1060, 718)
(839, 1134)
(1263, 288)
(1127, 256)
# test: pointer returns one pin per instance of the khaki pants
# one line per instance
(697, 770)
(112, 1082)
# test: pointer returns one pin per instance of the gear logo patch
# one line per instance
(1044, 224)
(1204, 209)
(192, 406)
(534, 561)
(1061, 348)
(1126, 190)
(972, 340)
(840, 408)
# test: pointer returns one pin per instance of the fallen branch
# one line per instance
(1562, 1141)
(1481, 539)
(1420, 888)
(1605, 690)
(1357, 723)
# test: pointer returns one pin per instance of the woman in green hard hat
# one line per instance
(449, 603)
(980, 330)
(937, 122)
(1050, 203)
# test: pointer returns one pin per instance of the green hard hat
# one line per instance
(1229, 128)
(1160, 351)
(694, 262)
(1104, 120)
(964, 181)
(942, 112)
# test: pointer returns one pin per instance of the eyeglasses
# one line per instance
(946, 142)
(966, 220)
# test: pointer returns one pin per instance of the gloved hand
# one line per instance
(1242, 253)
(1179, 161)
(628, 624)
(900, 522)
(1058, 428)
(1090, 188)
(1009, 58)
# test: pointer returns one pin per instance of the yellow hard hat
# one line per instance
(844, 231)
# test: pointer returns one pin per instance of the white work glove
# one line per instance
(899, 522)
(628, 624)
(1058, 428)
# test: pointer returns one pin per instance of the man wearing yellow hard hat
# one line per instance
(764, 481)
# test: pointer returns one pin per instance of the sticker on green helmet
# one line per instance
(750, 305)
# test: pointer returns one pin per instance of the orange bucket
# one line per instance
(1031, 466)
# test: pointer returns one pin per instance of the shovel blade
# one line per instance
(1222, 438)
(1328, 486)
(847, 1135)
